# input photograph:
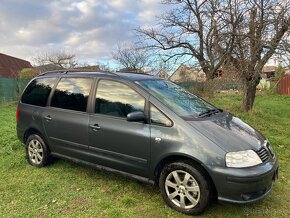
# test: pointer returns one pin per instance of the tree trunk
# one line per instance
(249, 97)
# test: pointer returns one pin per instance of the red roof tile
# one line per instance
(11, 66)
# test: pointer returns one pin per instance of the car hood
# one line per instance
(229, 132)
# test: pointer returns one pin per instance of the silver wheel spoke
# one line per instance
(37, 144)
(39, 150)
(171, 184)
(176, 177)
(182, 201)
(39, 157)
(33, 157)
(186, 178)
(192, 188)
(33, 144)
(30, 149)
(191, 199)
(173, 195)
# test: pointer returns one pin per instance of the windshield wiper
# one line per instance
(210, 112)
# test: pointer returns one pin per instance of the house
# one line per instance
(162, 74)
(47, 67)
(11, 66)
(184, 74)
(130, 70)
(268, 71)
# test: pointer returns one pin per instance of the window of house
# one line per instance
(72, 94)
(117, 99)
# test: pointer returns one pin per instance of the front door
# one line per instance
(115, 142)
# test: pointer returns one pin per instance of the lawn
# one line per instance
(67, 189)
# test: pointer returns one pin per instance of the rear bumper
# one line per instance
(245, 185)
(20, 133)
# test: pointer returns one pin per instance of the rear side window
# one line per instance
(38, 91)
(117, 99)
(72, 94)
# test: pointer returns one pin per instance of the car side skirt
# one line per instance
(108, 169)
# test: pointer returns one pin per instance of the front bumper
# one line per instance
(244, 185)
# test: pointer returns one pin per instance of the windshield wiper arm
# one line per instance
(210, 112)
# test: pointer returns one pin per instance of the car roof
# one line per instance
(124, 75)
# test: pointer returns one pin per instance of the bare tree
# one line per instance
(131, 57)
(193, 29)
(62, 59)
(240, 33)
(263, 26)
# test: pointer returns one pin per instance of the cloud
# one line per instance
(89, 28)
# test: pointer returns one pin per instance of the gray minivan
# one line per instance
(149, 129)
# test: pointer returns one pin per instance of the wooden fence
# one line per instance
(285, 85)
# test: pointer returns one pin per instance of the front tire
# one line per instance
(37, 152)
(184, 188)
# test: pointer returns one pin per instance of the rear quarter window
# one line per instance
(72, 94)
(38, 91)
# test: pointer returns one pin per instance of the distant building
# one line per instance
(162, 74)
(268, 71)
(89, 68)
(184, 74)
(48, 67)
(11, 66)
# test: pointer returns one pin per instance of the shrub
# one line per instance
(28, 73)
(264, 84)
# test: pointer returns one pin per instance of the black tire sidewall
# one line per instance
(198, 176)
(45, 158)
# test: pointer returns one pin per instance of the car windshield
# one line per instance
(179, 100)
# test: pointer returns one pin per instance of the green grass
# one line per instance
(67, 189)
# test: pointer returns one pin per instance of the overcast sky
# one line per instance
(88, 28)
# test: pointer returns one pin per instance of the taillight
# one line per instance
(17, 114)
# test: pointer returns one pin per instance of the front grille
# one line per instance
(263, 154)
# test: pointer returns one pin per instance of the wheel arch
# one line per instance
(186, 159)
(31, 131)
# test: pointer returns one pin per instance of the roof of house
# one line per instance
(48, 67)
(11, 66)
(184, 72)
(160, 72)
(267, 69)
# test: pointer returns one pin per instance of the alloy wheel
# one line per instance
(182, 189)
(35, 151)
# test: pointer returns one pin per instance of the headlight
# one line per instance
(242, 159)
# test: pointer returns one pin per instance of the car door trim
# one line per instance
(74, 144)
(101, 167)
(116, 154)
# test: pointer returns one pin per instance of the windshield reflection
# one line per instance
(182, 102)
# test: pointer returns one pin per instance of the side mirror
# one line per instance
(136, 116)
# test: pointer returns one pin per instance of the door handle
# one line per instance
(48, 118)
(95, 127)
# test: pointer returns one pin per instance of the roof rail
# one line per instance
(134, 73)
(66, 71)
(53, 71)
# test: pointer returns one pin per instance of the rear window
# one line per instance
(72, 94)
(38, 91)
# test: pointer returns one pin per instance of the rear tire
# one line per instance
(184, 188)
(37, 152)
